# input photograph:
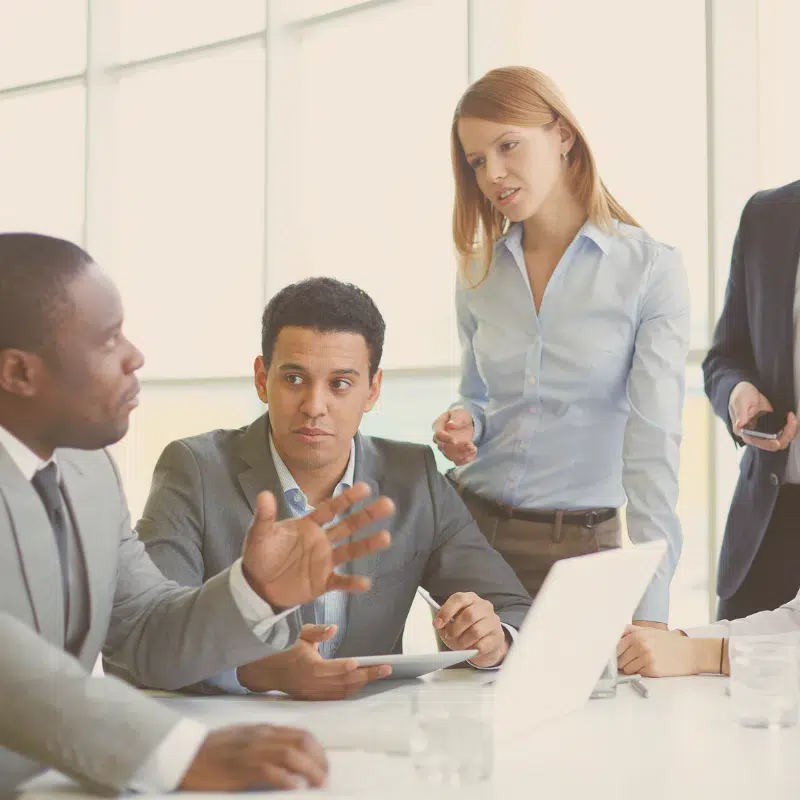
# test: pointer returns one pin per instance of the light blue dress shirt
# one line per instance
(579, 405)
(331, 607)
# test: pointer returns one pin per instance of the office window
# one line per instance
(643, 107)
(689, 594)
(152, 27)
(779, 100)
(189, 213)
(42, 162)
(41, 40)
(378, 91)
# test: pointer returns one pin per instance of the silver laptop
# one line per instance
(569, 635)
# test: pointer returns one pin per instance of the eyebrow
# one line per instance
(300, 368)
(469, 155)
(109, 329)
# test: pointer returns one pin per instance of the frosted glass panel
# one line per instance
(377, 96)
(642, 100)
(189, 214)
(778, 77)
(41, 40)
(151, 27)
(42, 162)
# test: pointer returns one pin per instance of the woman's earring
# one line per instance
(565, 155)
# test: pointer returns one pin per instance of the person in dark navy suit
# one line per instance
(752, 368)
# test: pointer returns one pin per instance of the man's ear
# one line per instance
(374, 391)
(260, 378)
(20, 372)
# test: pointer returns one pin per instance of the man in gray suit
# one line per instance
(72, 575)
(319, 373)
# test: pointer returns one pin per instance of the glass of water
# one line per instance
(451, 736)
(765, 680)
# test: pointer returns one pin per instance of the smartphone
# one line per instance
(767, 425)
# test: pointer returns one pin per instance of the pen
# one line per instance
(428, 599)
(638, 686)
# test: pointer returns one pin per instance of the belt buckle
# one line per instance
(592, 519)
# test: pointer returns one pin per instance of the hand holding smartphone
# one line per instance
(765, 425)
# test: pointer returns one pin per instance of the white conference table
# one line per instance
(682, 742)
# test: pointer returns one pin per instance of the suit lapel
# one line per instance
(98, 546)
(359, 604)
(259, 473)
(37, 549)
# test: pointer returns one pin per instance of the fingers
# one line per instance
(351, 551)
(332, 508)
(753, 404)
(634, 666)
(452, 433)
(626, 640)
(314, 634)
(298, 753)
(459, 454)
(265, 514)
(632, 652)
(473, 634)
(364, 675)
(354, 584)
(342, 682)
(789, 432)
(378, 509)
(770, 445)
(439, 423)
(454, 605)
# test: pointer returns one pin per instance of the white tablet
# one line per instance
(414, 666)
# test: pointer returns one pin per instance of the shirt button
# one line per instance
(532, 409)
(773, 479)
(531, 380)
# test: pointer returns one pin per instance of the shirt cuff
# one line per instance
(511, 636)
(717, 630)
(257, 612)
(229, 682)
(168, 763)
(654, 605)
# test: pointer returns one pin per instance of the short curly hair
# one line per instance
(326, 305)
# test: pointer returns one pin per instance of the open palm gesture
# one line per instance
(292, 562)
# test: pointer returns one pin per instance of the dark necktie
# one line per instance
(45, 483)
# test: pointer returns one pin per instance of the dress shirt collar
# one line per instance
(26, 460)
(513, 237)
(292, 492)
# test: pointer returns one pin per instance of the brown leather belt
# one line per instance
(586, 519)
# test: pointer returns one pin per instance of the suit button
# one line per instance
(773, 479)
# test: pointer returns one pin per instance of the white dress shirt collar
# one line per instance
(26, 460)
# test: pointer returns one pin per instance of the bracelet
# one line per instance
(721, 655)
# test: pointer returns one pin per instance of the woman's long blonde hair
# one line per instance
(526, 97)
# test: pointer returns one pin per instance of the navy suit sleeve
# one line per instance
(730, 358)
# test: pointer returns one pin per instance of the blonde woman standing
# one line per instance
(574, 329)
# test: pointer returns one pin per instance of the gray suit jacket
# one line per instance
(52, 712)
(205, 487)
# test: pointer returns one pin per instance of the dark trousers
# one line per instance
(774, 577)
